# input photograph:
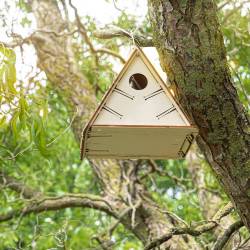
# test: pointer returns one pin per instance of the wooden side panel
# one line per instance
(137, 142)
(148, 106)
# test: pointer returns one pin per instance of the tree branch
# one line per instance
(105, 238)
(223, 239)
(18, 40)
(223, 5)
(232, 12)
(118, 32)
(192, 231)
(17, 186)
(82, 30)
(61, 202)
(112, 53)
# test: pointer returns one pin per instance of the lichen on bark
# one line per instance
(190, 44)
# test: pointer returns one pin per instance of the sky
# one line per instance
(104, 11)
(107, 11)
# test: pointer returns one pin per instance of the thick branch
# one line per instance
(118, 32)
(57, 203)
(17, 186)
(223, 239)
(192, 231)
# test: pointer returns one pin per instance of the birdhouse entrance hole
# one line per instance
(138, 81)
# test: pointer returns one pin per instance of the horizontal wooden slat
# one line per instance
(136, 142)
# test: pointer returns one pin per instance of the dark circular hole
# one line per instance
(138, 81)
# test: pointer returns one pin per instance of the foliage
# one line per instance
(235, 27)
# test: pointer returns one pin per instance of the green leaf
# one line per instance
(23, 109)
(13, 124)
(7, 72)
(2, 121)
(38, 135)
(11, 78)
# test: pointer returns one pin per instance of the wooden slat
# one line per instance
(136, 142)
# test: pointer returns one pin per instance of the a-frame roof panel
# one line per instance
(163, 84)
(153, 56)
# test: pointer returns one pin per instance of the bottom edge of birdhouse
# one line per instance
(138, 143)
(132, 157)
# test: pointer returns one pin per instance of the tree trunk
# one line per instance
(190, 44)
(119, 181)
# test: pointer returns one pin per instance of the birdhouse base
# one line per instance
(137, 142)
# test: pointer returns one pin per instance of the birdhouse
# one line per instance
(138, 117)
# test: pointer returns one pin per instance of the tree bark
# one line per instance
(190, 44)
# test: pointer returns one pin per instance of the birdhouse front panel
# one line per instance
(138, 118)
(138, 99)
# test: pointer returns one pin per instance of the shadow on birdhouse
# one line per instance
(138, 117)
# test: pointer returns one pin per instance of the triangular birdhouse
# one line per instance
(138, 116)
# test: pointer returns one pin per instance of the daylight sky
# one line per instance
(104, 11)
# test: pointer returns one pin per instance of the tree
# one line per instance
(191, 47)
(124, 192)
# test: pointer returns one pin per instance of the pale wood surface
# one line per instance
(136, 108)
(137, 142)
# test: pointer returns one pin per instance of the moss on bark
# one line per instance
(190, 44)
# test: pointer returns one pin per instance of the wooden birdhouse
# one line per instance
(138, 117)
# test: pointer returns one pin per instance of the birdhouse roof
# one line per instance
(153, 57)
(103, 119)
